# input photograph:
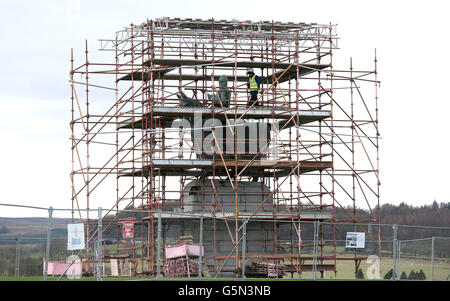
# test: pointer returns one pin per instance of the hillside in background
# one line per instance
(436, 215)
(31, 227)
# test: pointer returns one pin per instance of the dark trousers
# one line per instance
(253, 99)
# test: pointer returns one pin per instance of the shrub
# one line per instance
(412, 275)
(388, 275)
(360, 274)
(421, 275)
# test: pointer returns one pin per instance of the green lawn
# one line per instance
(345, 271)
(40, 278)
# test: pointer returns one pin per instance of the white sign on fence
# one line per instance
(355, 240)
(75, 236)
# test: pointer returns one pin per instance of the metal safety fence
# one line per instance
(175, 245)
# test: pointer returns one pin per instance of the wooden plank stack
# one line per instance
(264, 270)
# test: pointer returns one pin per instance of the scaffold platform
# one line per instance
(200, 167)
(169, 114)
(288, 70)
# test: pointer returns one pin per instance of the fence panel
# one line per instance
(424, 253)
(200, 246)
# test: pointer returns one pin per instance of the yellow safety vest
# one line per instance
(253, 83)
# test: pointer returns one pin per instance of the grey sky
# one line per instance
(411, 38)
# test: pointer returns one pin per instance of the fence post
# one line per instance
(99, 245)
(432, 258)
(49, 231)
(399, 250)
(315, 247)
(394, 252)
(200, 264)
(158, 251)
(244, 247)
(17, 267)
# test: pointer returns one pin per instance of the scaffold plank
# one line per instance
(324, 215)
(199, 167)
(169, 114)
(291, 73)
(230, 64)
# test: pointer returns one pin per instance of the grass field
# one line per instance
(40, 278)
(345, 271)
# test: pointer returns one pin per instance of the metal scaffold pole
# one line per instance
(158, 250)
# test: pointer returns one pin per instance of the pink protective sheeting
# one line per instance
(58, 268)
(183, 250)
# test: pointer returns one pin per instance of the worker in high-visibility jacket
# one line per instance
(253, 85)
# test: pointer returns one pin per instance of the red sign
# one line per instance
(128, 230)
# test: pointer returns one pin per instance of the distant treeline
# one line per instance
(435, 215)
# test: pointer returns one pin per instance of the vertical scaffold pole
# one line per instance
(158, 251)
(47, 251)
(244, 247)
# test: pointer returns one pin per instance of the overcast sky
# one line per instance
(411, 38)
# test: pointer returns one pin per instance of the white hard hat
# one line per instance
(250, 70)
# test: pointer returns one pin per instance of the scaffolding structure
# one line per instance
(321, 153)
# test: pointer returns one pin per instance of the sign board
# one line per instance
(355, 240)
(114, 268)
(75, 236)
(128, 230)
